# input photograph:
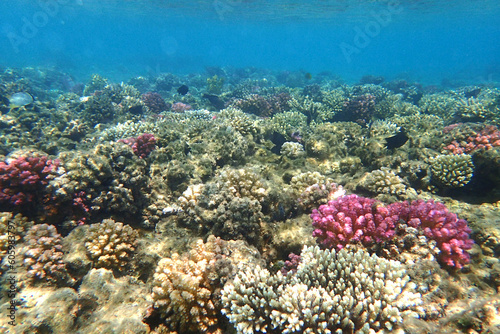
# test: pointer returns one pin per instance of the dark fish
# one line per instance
(398, 140)
(308, 76)
(183, 90)
(215, 101)
(278, 140)
(472, 93)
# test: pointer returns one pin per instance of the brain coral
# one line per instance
(111, 244)
(342, 292)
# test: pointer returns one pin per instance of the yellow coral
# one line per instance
(182, 291)
(110, 244)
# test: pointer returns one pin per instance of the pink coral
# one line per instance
(180, 107)
(353, 219)
(487, 138)
(450, 233)
(142, 145)
(21, 179)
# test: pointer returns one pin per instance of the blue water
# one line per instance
(426, 41)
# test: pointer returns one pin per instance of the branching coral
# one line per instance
(43, 256)
(343, 292)
(111, 244)
(452, 171)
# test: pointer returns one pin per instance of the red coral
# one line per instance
(142, 145)
(22, 179)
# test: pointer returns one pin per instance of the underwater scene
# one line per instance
(249, 166)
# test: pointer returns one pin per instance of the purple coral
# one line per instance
(22, 179)
(353, 219)
(154, 102)
(359, 109)
(450, 233)
(142, 145)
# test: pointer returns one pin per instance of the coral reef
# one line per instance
(110, 244)
(344, 291)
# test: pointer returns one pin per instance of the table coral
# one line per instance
(111, 244)
(344, 292)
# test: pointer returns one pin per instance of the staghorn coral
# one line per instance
(344, 292)
(43, 256)
(452, 171)
(110, 244)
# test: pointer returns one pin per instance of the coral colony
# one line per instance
(248, 201)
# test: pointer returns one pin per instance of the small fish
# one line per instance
(308, 76)
(398, 140)
(278, 140)
(472, 93)
(20, 99)
(215, 101)
(183, 90)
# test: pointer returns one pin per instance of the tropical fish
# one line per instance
(183, 90)
(398, 140)
(215, 101)
(20, 99)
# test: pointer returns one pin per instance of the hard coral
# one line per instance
(43, 256)
(154, 102)
(330, 292)
(183, 288)
(22, 179)
(450, 233)
(111, 244)
(353, 219)
(142, 145)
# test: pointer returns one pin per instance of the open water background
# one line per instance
(425, 41)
